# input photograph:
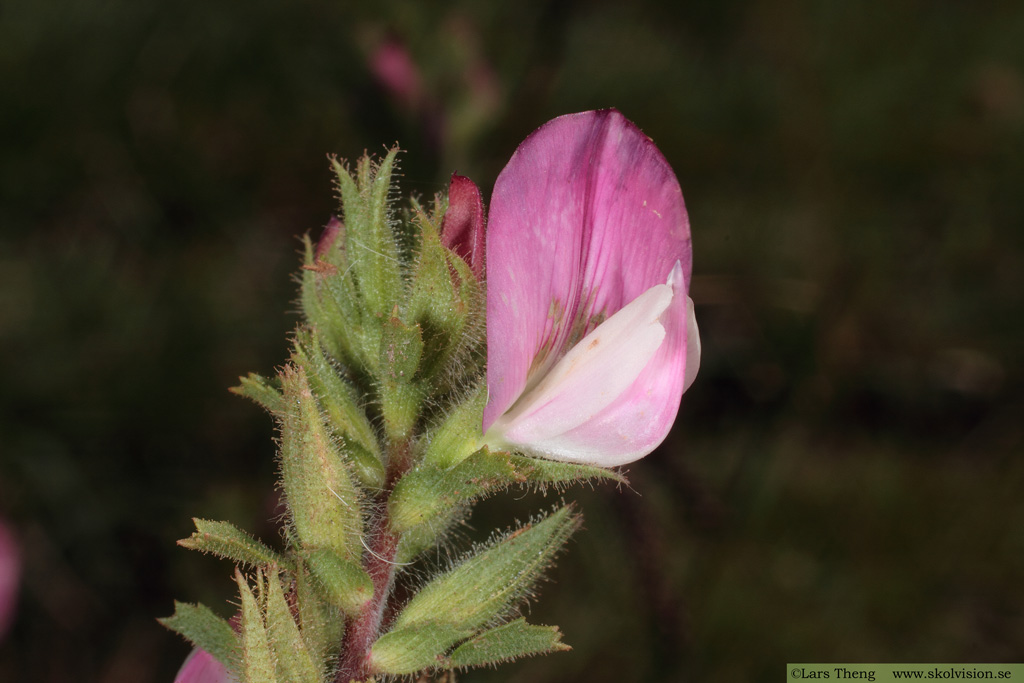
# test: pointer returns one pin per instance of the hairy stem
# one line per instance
(379, 562)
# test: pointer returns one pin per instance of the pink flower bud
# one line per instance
(591, 337)
(462, 229)
(329, 236)
(201, 667)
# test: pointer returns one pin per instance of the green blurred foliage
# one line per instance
(844, 482)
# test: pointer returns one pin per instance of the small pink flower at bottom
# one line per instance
(591, 336)
(202, 667)
(10, 573)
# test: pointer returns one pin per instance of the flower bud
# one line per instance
(463, 229)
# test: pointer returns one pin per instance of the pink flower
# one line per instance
(201, 667)
(591, 337)
(393, 67)
(10, 572)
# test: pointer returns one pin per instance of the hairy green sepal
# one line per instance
(323, 499)
(295, 662)
(258, 664)
(340, 403)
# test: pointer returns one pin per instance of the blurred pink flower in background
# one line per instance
(394, 69)
(10, 572)
(591, 337)
(447, 88)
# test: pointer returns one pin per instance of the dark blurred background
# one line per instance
(844, 482)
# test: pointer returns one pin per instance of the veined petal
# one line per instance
(202, 667)
(586, 217)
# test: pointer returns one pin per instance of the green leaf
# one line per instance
(424, 536)
(459, 435)
(401, 348)
(320, 624)
(341, 405)
(257, 659)
(330, 304)
(261, 390)
(294, 662)
(204, 629)
(447, 303)
(415, 648)
(228, 541)
(540, 471)
(487, 585)
(468, 358)
(428, 491)
(369, 241)
(345, 583)
(322, 498)
(433, 302)
(505, 643)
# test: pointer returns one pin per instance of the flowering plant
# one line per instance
(395, 416)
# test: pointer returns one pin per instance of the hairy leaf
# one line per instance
(345, 583)
(540, 471)
(257, 658)
(294, 661)
(505, 643)
(486, 586)
(414, 648)
(228, 541)
(429, 491)
(204, 629)
(261, 390)
(323, 500)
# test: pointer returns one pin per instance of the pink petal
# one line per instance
(585, 218)
(595, 372)
(640, 418)
(462, 229)
(692, 346)
(202, 667)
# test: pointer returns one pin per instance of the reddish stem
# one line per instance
(363, 631)
(379, 563)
